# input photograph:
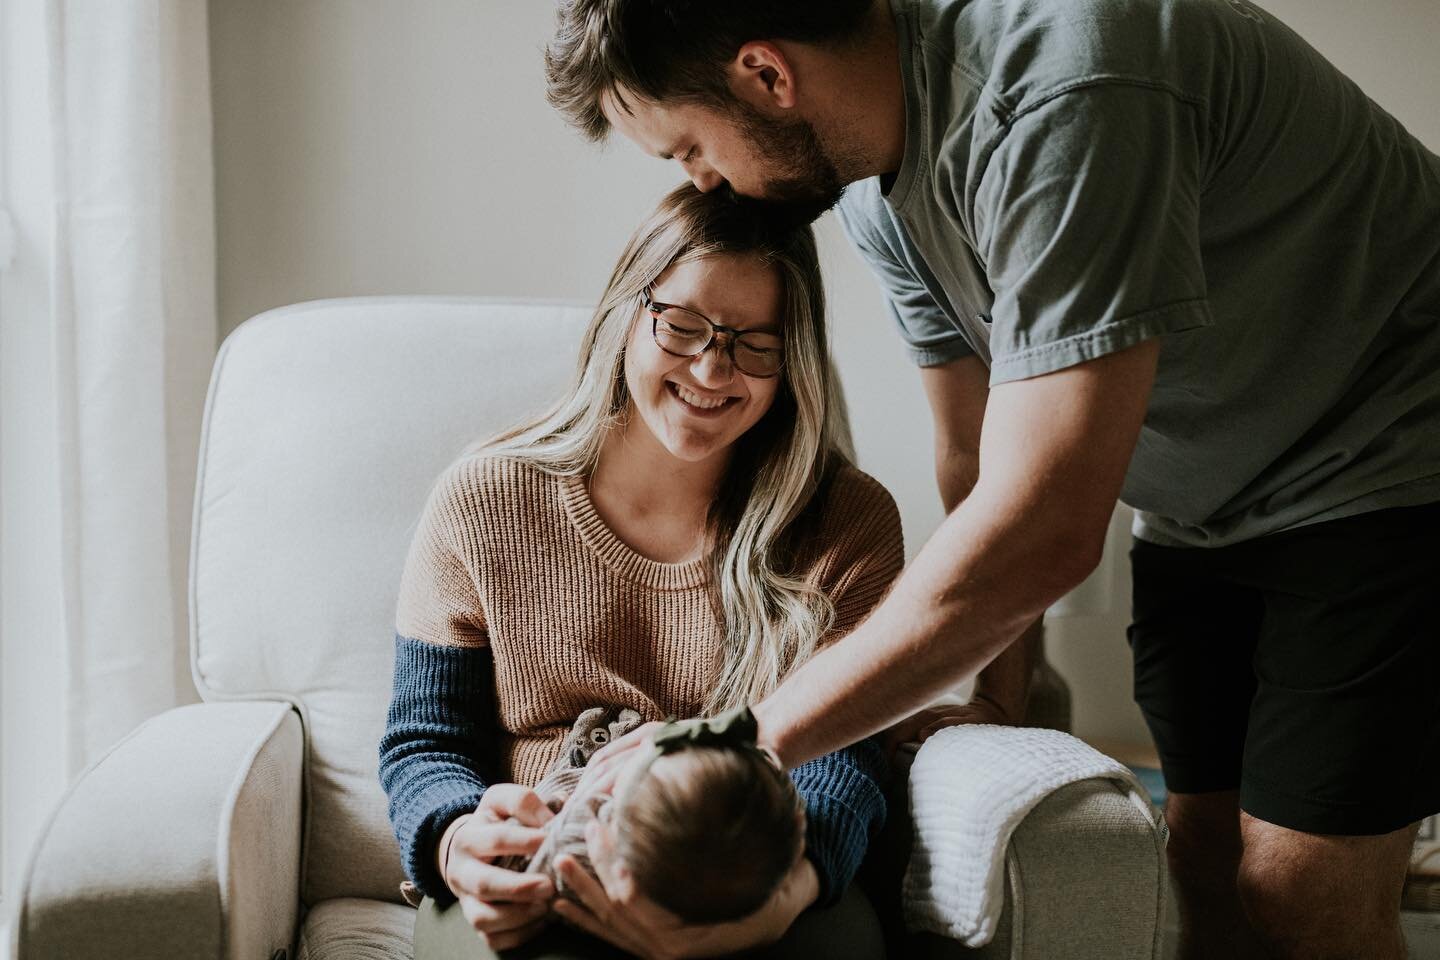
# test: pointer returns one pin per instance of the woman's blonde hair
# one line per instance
(772, 619)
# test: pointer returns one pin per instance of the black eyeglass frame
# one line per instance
(657, 307)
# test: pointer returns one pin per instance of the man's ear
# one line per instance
(763, 76)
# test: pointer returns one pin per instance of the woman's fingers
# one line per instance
(492, 917)
(587, 890)
(639, 927)
(485, 881)
(509, 939)
(580, 917)
(604, 766)
(489, 840)
(506, 801)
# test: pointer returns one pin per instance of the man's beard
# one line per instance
(811, 184)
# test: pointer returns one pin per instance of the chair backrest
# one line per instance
(326, 425)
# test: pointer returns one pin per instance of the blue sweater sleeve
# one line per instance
(433, 754)
(844, 794)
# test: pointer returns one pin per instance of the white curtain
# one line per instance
(132, 301)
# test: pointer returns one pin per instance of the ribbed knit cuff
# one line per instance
(844, 803)
(421, 855)
(431, 754)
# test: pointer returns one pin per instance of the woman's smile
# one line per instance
(698, 404)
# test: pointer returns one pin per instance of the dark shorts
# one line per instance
(1302, 668)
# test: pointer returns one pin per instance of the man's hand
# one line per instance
(505, 907)
(625, 918)
(919, 727)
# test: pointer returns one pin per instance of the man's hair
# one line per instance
(712, 842)
(671, 49)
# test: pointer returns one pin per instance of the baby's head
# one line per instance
(706, 832)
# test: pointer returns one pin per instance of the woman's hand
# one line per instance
(630, 921)
(604, 767)
(505, 907)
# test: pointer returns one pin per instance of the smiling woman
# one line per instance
(688, 375)
(629, 423)
(673, 537)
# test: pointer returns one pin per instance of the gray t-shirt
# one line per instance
(1082, 175)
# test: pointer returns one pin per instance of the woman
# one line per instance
(674, 536)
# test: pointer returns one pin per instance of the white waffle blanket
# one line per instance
(970, 787)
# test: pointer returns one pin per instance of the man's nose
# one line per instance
(706, 179)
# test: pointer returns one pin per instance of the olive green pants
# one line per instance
(847, 931)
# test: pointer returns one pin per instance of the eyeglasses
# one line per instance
(682, 332)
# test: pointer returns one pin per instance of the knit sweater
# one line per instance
(519, 608)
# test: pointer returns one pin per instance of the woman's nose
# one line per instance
(713, 368)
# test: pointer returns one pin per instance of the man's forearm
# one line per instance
(1053, 454)
(983, 579)
(1005, 683)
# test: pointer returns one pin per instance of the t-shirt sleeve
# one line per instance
(931, 337)
(1087, 219)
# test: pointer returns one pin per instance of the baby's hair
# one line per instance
(710, 842)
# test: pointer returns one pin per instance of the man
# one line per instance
(1151, 249)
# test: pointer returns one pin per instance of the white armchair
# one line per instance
(253, 826)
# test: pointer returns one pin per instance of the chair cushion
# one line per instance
(356, 929)
(326, 425)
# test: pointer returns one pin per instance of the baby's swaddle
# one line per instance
(566, 832)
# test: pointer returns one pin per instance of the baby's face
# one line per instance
(615, 875)
(601, 833)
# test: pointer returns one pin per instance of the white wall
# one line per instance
(399, 147)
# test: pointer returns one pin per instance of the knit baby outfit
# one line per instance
(519, 609)
(565, 833)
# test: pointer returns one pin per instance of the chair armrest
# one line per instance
(183, 840)
(1084, 870)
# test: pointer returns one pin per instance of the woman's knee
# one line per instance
(443, 933)
(849, 930)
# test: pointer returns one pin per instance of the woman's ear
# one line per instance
(763, 76)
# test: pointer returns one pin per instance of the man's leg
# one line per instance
(1205, 855)
(1320, 897)
(1193, 635)
(1342, 753)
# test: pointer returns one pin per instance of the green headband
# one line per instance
(736, 728)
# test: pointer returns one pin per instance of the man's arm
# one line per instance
(957, 392)
(1053, 454)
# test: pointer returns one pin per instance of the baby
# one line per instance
(705, 824)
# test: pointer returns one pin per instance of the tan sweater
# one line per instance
(512, 557)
